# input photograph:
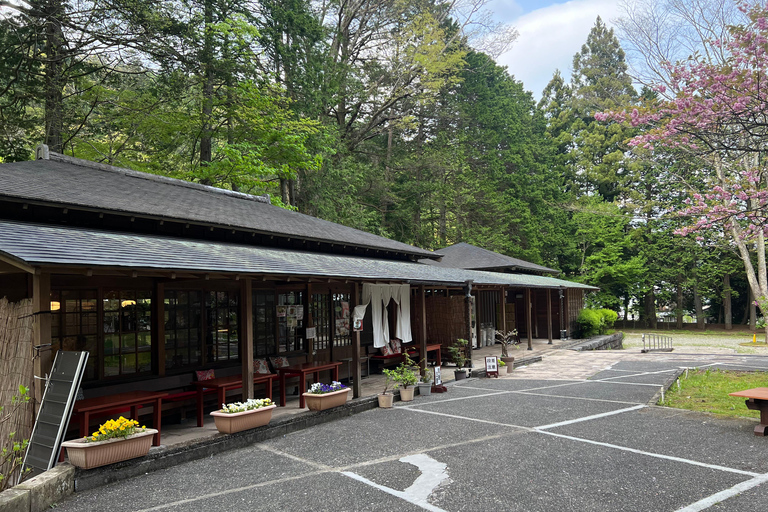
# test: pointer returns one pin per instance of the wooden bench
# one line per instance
(757, 400)
(374, 354)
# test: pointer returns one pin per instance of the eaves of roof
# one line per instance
(39, 245)
(80, 184)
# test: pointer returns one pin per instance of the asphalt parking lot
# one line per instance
(507, 444)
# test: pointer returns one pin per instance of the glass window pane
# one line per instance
(111, 301)
(111, 323)
(111, 366)
(128, 342)
(145, 339)
(129, 363)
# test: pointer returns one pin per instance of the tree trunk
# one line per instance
(206, 136)
(727, 302)
(697, 305)
(679, 308)
(752, 311)
(54, 80)
(650, 309)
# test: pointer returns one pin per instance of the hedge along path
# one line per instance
(16, 368)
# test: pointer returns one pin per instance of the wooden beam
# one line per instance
(41, 334)
(549, 315)
(246, 336)
(17, 264)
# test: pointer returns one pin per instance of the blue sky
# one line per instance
(551, 32)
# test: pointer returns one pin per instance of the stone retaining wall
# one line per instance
(606, 342)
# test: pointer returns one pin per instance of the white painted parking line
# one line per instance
(641, 374)
(724, 495)
(589, 418)
(651, 454)
(433, 473)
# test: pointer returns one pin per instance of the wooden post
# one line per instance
(41, 335)
(357, 373)
(468, 301)
(309, 321)
(529, 325)
(549, 315)
(503, 310)
(158, 315)
(423, 329)
(246, 335)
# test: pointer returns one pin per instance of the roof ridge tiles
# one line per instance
(156, 177)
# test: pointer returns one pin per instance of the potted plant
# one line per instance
(403, 376)
(239, 416)
(324, 396)
(458, 354)
(386, 397)
(425, 383)
(502, 366)
(115, 441)
(507, 339)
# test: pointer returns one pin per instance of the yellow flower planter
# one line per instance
(100, 453)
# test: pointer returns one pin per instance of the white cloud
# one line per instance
(549, 38)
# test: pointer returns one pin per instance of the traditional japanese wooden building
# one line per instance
(553, 309)
(158, 277)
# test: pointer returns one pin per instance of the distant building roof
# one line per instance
(80, 184)
(32, 245)
(467, 256)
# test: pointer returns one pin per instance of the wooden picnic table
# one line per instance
(416, 349)
(301, 371)
(224, 384)
(134, 399)
(757, 400)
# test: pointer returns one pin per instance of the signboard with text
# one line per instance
(491, 366)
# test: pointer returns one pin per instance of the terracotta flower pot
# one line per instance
(508, 361)
(322, 401)
(100, 453)
(228, 423)
(406, 394)
(385, 400)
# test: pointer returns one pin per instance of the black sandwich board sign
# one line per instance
(55, 411)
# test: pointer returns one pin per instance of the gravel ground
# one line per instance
(707, 342)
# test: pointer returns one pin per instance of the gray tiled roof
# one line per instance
(77, 183)
(463, 255)
(46, 245)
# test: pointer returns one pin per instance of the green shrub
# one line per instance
(588, 323)
(591, 322)
(608, 318)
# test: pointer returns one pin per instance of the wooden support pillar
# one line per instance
(468, 302)
(158, 320)
(41, 334)
(246, 335)
(423, 329)
(503, 327)
(309, 321)
(528, 322)
(357, 373)
(549, 315)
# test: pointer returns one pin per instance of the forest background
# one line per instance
(390, 116)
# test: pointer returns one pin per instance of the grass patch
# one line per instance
(756, 344)
(707, 391)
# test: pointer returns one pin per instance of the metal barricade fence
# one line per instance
(656, 343)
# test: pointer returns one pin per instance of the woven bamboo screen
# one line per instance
(15, 368)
